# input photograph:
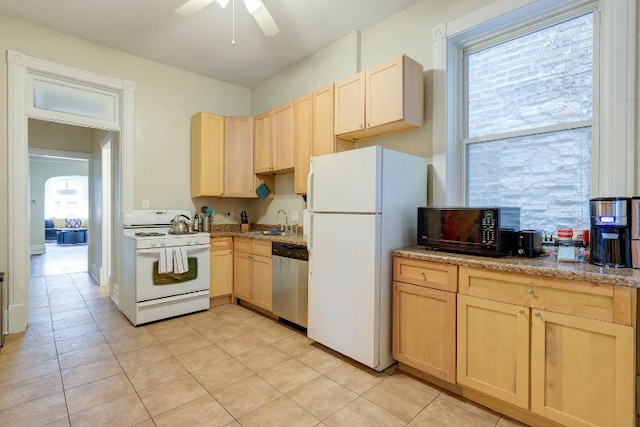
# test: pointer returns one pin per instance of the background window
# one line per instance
(529, 108)
(66, 197)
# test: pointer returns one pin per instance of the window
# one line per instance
(66, 197)
(528, 119)
(568, 114)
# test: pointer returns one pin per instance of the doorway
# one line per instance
(47, 91)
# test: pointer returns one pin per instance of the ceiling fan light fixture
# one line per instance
(253, 5)
(223, 3)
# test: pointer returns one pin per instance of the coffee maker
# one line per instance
(610, 242)
(635, 232)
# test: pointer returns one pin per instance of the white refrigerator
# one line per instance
(362, 204)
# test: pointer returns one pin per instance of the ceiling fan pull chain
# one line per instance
(233, 23)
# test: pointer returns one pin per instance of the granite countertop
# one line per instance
(541, 266)
(233, 230)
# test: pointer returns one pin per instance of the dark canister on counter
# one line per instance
(610, 239)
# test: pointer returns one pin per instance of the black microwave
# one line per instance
(484, 231)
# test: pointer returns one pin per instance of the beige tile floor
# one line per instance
(82, 363)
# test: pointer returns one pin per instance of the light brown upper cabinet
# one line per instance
(303, 135)
(262, 154)
(221, 161)
(274, 140)
(313, 132)
(382, 100)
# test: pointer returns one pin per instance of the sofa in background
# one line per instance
(77, 225)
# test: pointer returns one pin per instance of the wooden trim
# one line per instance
(453, 388)
(511, 411)
(624, 306)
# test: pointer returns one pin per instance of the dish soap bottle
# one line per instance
(195, 222)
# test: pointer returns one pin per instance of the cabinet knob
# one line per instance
(538, 314)
(530, 291)
(368, 125)
(424, 276)
(521, 311)
(360, 126)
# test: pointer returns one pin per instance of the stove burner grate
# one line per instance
(148, 234)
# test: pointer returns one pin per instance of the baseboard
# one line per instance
(115, 293)
(94, 271)
(17, 318)
(37, 249)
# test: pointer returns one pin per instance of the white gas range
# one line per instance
(163, 274)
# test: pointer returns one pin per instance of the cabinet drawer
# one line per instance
(261, 247)
(221, 244)
(586, 299)
(243, 244)
(425, 273)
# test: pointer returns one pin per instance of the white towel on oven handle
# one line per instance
(165, 261)
(180, 260)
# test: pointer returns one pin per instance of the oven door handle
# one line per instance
(191, 248)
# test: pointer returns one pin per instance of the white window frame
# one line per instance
(613, 150)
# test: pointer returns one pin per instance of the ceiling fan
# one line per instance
(256, 8)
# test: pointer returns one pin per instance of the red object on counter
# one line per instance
(565, 233)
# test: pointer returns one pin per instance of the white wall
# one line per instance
(41, 169)
(166, 98)
(408, 31)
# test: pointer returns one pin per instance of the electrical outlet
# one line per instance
(145, 203)
(294, 216)
(230, 215)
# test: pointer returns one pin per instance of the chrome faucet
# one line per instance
(286, 223)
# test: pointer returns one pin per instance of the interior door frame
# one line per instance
(22, 69)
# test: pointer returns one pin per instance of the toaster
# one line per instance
(529, 243)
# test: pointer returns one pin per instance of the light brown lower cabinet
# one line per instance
(546, 351)
(493, 349)
(221, 267)
(582, 370)
(252, 276)
(424, 317)
(520, 344)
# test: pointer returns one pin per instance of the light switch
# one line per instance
(294, 216)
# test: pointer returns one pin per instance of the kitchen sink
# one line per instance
(268, 233)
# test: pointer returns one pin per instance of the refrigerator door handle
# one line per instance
(310, 187)
(310, 242)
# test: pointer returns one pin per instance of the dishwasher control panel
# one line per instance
(290, 250)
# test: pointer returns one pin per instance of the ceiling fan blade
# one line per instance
(192, 7)
(266, 22)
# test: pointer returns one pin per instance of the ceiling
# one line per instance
(202, 43)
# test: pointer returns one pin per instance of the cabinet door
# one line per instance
(207, 155)
(384, 93)
(493, 349)
(349, 104)
(221, 273)
(302, 121)
(582, 370)
(282, 135)
(424, 329)
(242, 275)
(239, 179)
(262, 286)
(323, 136)
(262, 154)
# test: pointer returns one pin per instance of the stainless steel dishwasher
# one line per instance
(290, 277)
